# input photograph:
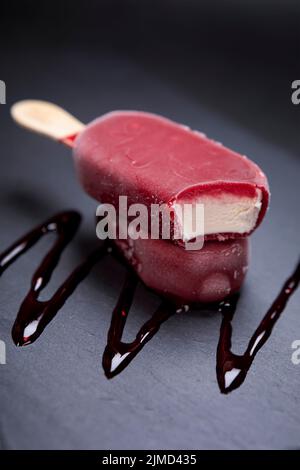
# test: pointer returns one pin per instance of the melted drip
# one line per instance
(34, 315)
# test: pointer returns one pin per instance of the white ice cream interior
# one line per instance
(227, 213)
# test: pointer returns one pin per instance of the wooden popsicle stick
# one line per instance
(47, 119)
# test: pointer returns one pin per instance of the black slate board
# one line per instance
(53, 394)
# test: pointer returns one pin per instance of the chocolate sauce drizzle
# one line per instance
(117, 355)
(231, 368)
(34, 314)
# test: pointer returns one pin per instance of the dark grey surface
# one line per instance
(53, 394)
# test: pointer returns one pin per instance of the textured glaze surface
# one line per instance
(207, 275)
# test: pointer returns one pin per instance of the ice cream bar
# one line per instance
(150, 159)
(208, 275)
(154, 160)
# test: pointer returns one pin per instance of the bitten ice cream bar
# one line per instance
(153, 160)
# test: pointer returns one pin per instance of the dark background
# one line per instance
(224, 68)
(237, 57)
